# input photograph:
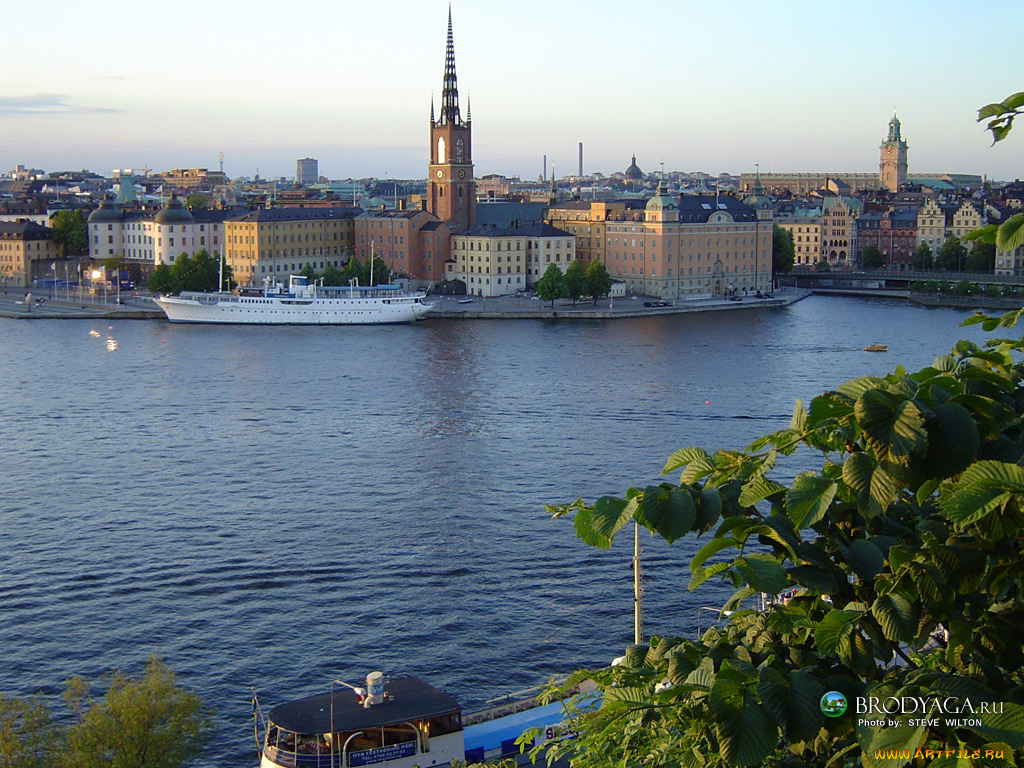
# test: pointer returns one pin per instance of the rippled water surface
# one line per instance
(277, 507)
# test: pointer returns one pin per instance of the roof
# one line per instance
(406, 698)
(698, 208)
(24, 230)
(173, 212)
(532, 229)
(105, 212)
(263, 215)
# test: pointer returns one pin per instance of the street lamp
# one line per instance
(96, 274)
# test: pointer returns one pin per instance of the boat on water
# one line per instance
(400, 721)
(876, 347)
(300, 303)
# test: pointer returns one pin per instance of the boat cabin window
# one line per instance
(442, 724)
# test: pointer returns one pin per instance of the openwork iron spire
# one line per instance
(450, 94)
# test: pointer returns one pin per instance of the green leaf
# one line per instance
(1013, 102)
(793, 701)
(955, 441)
(864, 558)
(874, 488)
(894, 430)
(1011, 233)
(709, 509)
(855, 388)
(990, 110)
(808, 499)
(762, 572)
(897, 616)
(757, 490)
(682, 457)
(713, 547)
(835, 628)
(701, 575)
(881, 745)
(815, 579)
(1007, 726)
(669, 511)
(798, 422)
(983, 487)
(602, 523)
(745, 732)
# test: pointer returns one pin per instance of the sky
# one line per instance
(787, 86)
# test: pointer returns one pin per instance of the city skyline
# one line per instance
(801, 88)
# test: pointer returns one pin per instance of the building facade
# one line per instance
(931, 225)
(692, 246)
(839, 230)
(451, 190)
(893, 232)
(307, 172)
(26, 252)
(276, 242)
(587, 222)
(495, 261)
(413, 243)
(804, 224)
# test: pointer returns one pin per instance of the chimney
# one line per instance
(581, 159)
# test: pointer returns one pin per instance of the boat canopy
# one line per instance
(405, 699)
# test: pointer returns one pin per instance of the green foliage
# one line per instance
(354, 268)
(71, 231)
(28, 738)
(197, 202)
(982, 257)
(922, 258)
(309, 273)
(599, 282)
(139, 723)
(962, 288)
(952, 255)
(1000, 115)
(912, 527)
(783, 250)
(551, 285)
(199, 272)
(575, 281)
(871, 258)
(822, 265)
(333, 276)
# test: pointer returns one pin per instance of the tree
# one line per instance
(28, 738)
(922, 258)
(160, 281)
(982, 257)
(871, 258)
(308, 272)
(599, 282)
(575, 281)
(952, 254)
(197, 202)
(783, 250)
(1008, 235)
(333, 276)
(822, 265)
(550, 286)
(901, 563)
(71, 231)
(139, 723)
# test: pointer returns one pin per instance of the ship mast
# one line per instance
(638, 620)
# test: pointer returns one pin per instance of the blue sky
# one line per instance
(793, 86)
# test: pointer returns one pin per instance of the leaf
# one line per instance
(834, 629)
(815, 579)
(865, 559)
(669, 511)
(873, 487)
(762, 572)
(895, 431)
(701, 575)
(955, 441)
(1006, 726)
(880, 745)
(597, 527)
(682, 457)
(1011, 233)
(757, 490)
(745, 732)
(709, 509)
(808, 499)
(792, 701)
(1013, 102)
(713, 547)
(983, 487)
(897, 616)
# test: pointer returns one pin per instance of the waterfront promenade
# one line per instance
(12, 305)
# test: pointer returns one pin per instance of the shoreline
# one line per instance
(498, 308)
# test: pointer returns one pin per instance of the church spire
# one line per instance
(450, 94)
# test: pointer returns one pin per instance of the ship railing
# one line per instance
(511, 703)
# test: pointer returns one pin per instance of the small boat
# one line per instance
(298, 304)
(398, 721)
(876, 347)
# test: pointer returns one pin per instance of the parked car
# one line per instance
(655, 303)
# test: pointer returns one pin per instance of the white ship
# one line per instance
(299, 304)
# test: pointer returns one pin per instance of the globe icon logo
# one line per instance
(833, 704)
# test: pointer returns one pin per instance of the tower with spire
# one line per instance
(892, 164)
(451, 189)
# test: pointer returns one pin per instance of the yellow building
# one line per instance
(966, 218)
(26, 252)
(494, 261)
(276, 242)
(587, 222)
(805, 226)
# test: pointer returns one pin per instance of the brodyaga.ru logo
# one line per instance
(952, 710)
(833, 704)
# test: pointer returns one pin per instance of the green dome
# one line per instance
(662, 200)
(173, 212)
(105, 214)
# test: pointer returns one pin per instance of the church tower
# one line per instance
(451, 189)
(892, 165)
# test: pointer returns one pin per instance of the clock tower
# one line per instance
(892, 165)
(451, 189)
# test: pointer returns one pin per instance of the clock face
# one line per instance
(462, 174)
(439, 173)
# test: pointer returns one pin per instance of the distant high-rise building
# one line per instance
(307, 172)
(892, 165)
(451, 190)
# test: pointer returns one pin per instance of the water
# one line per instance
(277, 507)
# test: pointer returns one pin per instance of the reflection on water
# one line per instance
(280, 506)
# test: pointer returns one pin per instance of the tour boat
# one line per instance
(401, 721)
(876, 347)
(299, 304)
